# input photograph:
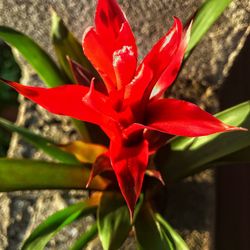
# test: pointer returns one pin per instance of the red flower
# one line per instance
(128, 103)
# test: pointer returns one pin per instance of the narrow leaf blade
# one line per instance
(113, 220)
(32, 175)
(42, 143)
(238, 158)
(204, 18)
(52, 225)
(148, 233)
(35, 55)
(175, 238)
(85, 238)
(185, 156)
(65, 44)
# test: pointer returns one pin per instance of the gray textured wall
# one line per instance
(191, 204)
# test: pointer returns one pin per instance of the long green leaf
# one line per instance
(175, 238)
(31, 175)
(35, 55)
(240, 157)
(113, 220)
(65, 44)
(204, 18)
(42, 143)
(148, 233)
(85, 238)
(56, 222)
(42, 63)
(185, 156)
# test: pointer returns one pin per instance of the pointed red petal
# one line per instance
(156, 139)
(182, 118)
(81, 76)
(102, 164)
(100, 106)
(171, 71)
(126, 38)
(124, 62)
(79, 73)
(76, 101)
(109, 19)
(112, 33)
(163, 52)
(112, 26)
(129, 164)
(100, 56)
(134, 91)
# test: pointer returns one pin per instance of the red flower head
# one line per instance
(128, 103)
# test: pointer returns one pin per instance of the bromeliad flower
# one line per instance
(127, 103)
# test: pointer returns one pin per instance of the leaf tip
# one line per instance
(233, 128)
(58, 28)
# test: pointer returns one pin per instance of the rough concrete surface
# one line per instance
(190, 206)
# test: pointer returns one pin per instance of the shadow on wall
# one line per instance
(233, 182)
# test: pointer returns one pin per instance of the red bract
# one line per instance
(128, 103)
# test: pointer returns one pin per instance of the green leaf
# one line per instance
(56, 222)
(175, 238)
(45, 144)
(35, 55)
(113, 220)
(65, 44)
(204, 18)
(9, 69)
(239, 157)
(42, 63)
(85, 238)
(185, 156)
(148, 233)
(32, 174)
(82, 129)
